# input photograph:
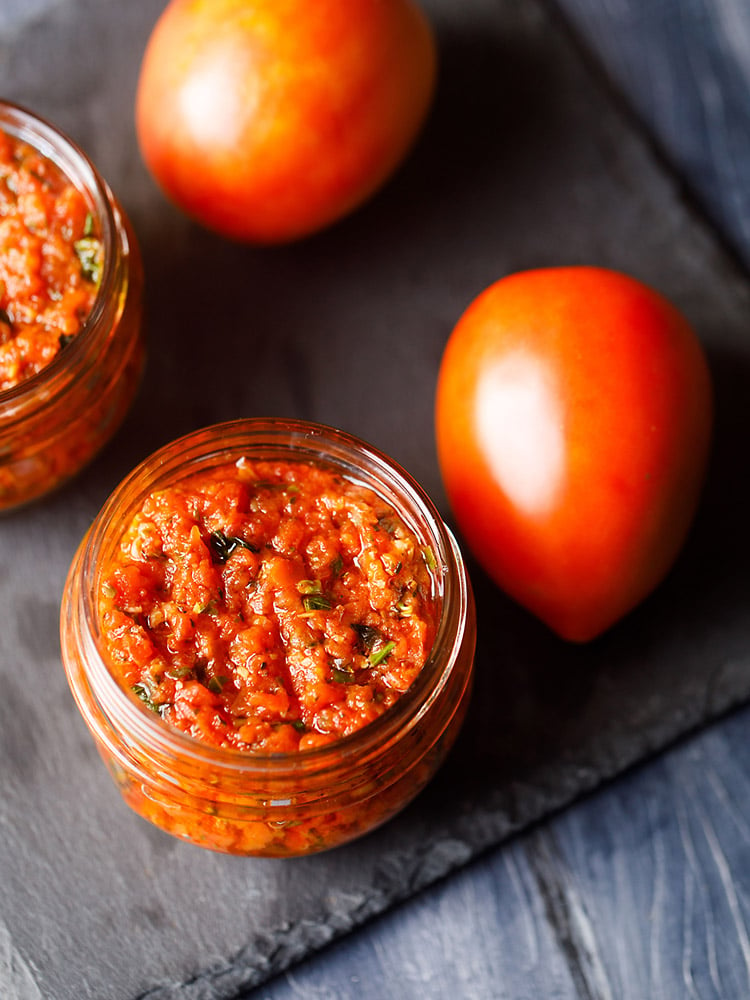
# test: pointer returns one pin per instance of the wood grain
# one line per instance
(641, 891)
(683, 66)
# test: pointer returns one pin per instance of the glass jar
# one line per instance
(284, 804)
(54, 422)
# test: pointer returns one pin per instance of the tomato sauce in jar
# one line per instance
(269, 606)
(71, 279)
(50, 260)
(270, 633)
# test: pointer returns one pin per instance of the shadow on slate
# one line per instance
(524, 162)
(317, 329)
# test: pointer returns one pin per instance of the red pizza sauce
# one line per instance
(268, 606)
(50, 260)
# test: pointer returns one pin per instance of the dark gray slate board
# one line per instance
(527, 161)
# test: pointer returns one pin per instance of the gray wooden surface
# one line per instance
(640, 890)
(683, 66)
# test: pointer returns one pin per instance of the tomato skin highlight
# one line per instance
(573, 423)
(267, 120)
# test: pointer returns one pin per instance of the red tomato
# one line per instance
(269, 119)
(573, 419)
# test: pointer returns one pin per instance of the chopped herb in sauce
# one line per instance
(180, 673)
(89, 252)
(429, 558)
(313, 598)
(342, 673)
(337, 566)
(377, 656)
(403, 605)
(222, 546)
(142, 692)
(375, 646)
(316, 602)
(367, 636)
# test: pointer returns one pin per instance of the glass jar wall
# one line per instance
(277, 804)
(54, 421)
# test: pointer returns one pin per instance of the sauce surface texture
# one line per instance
(268, 606)
(50, 261)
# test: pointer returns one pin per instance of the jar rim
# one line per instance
(49, 140)
(160, 468)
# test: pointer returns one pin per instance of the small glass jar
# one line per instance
(54, 422)
(284, 804)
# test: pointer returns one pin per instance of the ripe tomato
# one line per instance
(573, 419)
(269, 119)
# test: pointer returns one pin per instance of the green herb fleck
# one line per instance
(180, 673)
(216, 684)
(342, 675)
(142, 692)
(89, 252)
(429, 558)
(310, 587)
(222, 546)
(299, 725)
(316, 602)
(65, 338)
(337, 566)
(381, 654)
(373, 643)
(88, 226)
(108, 590)
(367, 636)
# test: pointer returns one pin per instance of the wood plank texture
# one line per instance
(684, 67)
(641, 891)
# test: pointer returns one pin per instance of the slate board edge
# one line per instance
(284, 948)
